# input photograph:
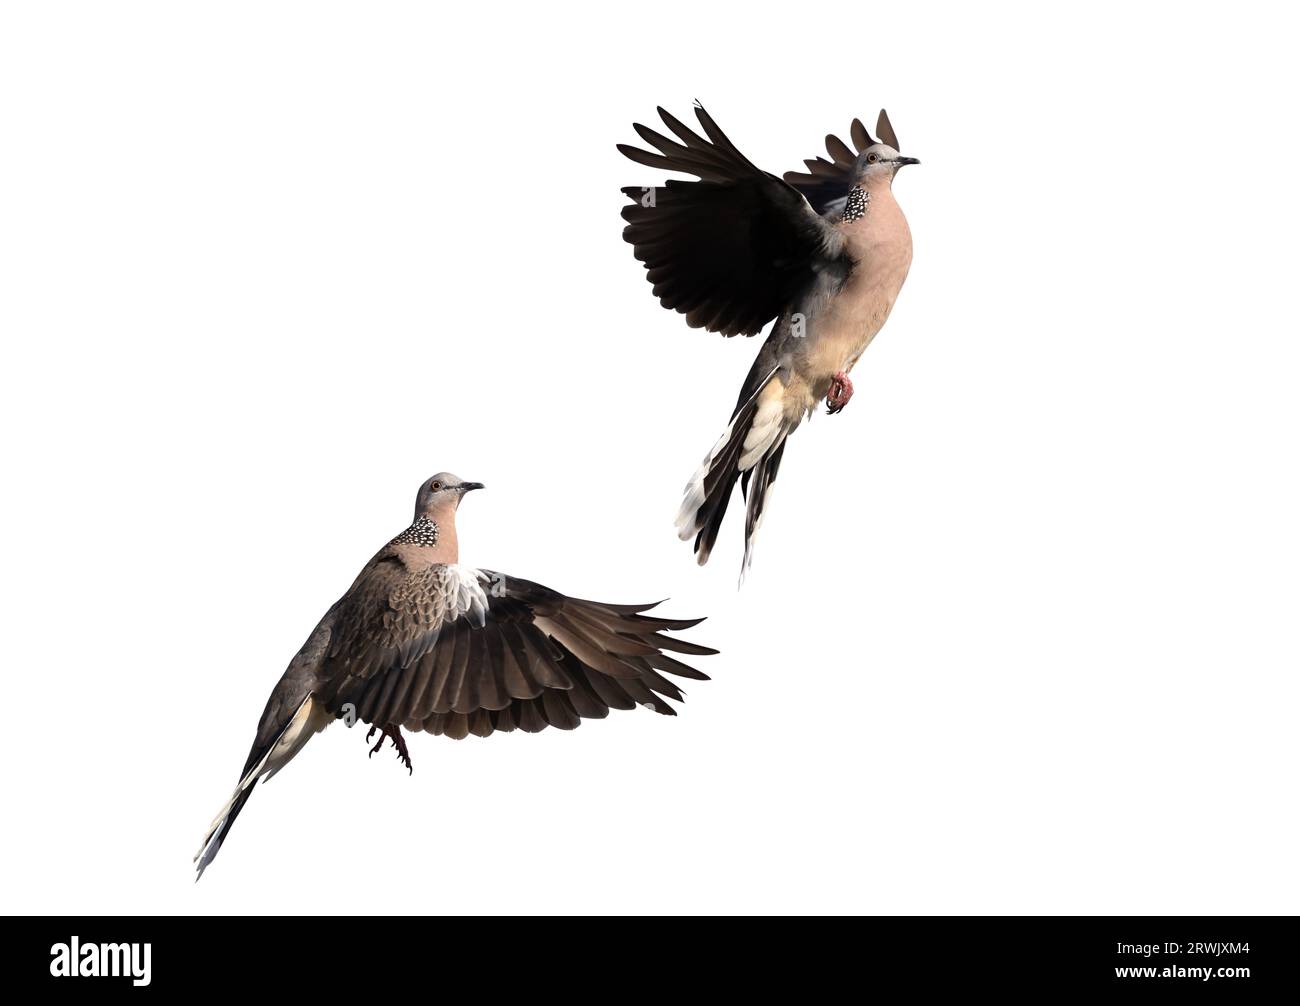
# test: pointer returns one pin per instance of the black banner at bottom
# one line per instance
(421, 955)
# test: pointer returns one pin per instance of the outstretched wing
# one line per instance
(826, 183)
(731, 250)
(455, 651)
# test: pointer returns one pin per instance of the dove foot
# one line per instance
(840, 393)
(394, 734)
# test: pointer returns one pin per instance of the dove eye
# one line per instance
(435, 485)
(872, 158)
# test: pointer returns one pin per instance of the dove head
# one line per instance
(878, 161)
(441, 495)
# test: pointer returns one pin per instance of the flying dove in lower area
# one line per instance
(421, 642)
(825, 253)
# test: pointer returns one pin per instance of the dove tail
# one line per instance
(750, 450)
(222, 825)
(309, 718)
(756, 486)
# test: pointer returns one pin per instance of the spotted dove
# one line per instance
(824, 252)
(423, 643)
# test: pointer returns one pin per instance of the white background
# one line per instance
(1021, 630)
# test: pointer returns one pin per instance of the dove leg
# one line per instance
(840, 393)
(394, 734)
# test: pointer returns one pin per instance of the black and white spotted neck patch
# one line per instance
(855, 207)
(423, 532)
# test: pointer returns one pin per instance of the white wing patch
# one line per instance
(463, 594)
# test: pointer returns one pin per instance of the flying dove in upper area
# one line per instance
(824, 252)
(421, 642)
